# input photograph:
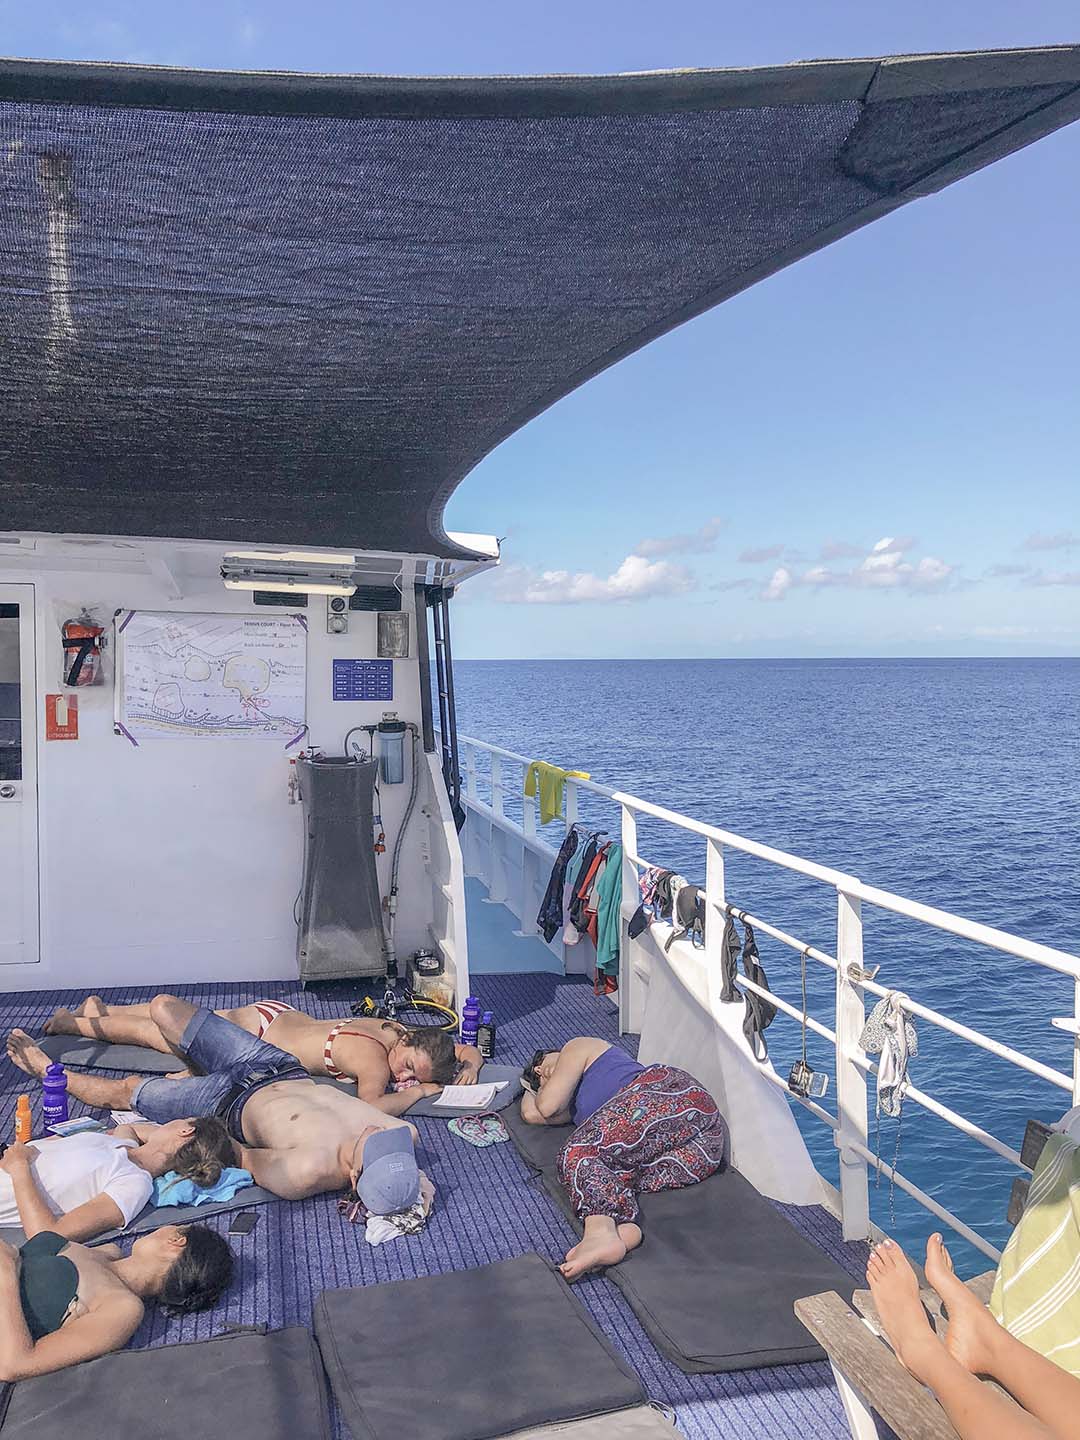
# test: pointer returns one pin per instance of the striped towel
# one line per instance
(1036, 1293)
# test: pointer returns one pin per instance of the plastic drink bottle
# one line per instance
(485, 1035)
(24, 1124)
(54, 1101)
(470, 1019)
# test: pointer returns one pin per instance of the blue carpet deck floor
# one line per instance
(488, 1208)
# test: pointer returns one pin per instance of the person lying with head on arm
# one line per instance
(639, 1129)
(294, 1137)
(61, 1303)
(975, 1344)
(93, 1182)
(378, 1054)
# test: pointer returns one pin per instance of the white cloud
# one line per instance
(778, 586)
(1063, 540)
(635, 579)
(697, 542)
(884, 568)
(762, 552)
(1003, 572)
(840, 550)
(1056, 577)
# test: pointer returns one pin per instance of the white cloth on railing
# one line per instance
(889, 1032)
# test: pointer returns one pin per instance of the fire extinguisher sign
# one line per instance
(61, 717)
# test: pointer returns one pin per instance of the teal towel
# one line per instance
(170, 1189)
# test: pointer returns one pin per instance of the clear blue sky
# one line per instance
(913, 387)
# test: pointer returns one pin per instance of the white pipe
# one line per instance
(929, 1203)
(953, 1118)
(811, 1023)
(927, 914)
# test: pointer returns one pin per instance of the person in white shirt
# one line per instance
(93, 1182)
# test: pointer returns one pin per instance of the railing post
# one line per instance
(527, 905)
(497, 784)
(1076, 1044)
(850, 1079)
(715, 915)
(631, 988)
(470, 771)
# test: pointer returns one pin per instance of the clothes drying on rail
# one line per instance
(609, 915)
(549, 781)
(550, 916)
(581, 900)
(760, 1013)
(889, 1032)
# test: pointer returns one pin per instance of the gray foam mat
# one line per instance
(83, 1053)
(719, 1270)
(248, 1387)
(153, 1216)
(497, 1350)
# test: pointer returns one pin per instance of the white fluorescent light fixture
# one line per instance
(299, 586)
(301, 572)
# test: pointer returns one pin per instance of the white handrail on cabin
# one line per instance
(850, 1126)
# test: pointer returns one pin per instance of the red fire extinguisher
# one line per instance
(82, 651)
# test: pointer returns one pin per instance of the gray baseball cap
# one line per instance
(390, 1179)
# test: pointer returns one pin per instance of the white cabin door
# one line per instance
(18, 779)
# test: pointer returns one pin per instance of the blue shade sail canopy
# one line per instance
(299, 309)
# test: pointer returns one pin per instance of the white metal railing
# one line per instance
(517, 864)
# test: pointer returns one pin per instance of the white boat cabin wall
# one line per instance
(179, 859)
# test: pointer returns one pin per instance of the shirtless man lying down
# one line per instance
(376, 1053)
(296, 1138)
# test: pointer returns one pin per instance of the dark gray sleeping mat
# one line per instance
(80, 1052)
(495, 1350)
(718, 1271)
(244, 1386)
(150, 1217)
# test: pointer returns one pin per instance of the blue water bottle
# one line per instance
(470, 1020)
(54, 1102)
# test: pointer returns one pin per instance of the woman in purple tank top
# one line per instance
(639, 1129)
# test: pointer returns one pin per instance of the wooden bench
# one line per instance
(868, 1375)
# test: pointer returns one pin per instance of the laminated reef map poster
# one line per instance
(210, 675)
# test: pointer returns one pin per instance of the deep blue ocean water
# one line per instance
(953, 782)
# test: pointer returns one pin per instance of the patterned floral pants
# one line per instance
(661, 1131)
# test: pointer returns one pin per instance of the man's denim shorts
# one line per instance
(236, 1064)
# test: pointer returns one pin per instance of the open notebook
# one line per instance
(468, 1097)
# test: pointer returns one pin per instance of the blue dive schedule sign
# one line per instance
(363, 679)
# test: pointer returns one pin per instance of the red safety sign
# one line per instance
(61, 717)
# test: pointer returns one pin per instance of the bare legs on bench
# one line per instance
(975, 1344)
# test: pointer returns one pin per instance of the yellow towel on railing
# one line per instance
(1036, 1294)
(550, 780)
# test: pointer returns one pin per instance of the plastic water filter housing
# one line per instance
(392, 751)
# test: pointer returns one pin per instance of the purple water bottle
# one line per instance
(54, 1102)
(470, 1020)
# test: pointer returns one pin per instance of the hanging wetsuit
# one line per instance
(550, 917)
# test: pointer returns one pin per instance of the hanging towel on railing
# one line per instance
(729, 961)
(609, 914)
(549, 780)
(550, 918)
(888, 1032)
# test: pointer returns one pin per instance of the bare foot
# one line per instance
(23, 1052)
(179, 1074)
(593, 1253)
(895, 1288)
(973, 1331)
(630, 1235)
(92, 1008)
(60, 1022)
